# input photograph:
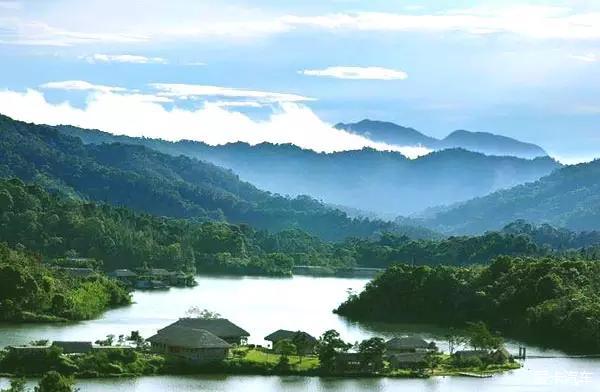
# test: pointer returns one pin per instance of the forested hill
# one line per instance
(370, 180)
(569, 197)
(147, 180)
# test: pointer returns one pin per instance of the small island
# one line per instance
(210, 344)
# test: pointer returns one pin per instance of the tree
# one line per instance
(285, 347)
(480, 337)
(454, 340)
(16, 385)
(55, 382)
(371, 352)
(329, 344)
(432, 361)
(205, 314)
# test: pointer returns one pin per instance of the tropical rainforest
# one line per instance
(553, 301)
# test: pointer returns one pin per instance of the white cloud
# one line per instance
(129, 114)
(587, 57)
(123, 58)
(81, 85)
(97, 23)
(194, 91)
(369, 73)
(530, 21)
(14, 31)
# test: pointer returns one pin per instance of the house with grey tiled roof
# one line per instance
(198, 345)
(220, 327)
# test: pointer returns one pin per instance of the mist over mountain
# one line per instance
(160, 184)
(370, 180)
(483, 142)
(569, 197)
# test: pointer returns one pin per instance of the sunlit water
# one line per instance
(262, 305)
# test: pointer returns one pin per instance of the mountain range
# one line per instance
(483, 142)
(149, 181)
(383, 182)
(568, 197)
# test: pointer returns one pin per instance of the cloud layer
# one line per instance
(123, 58)
(360, 73)
(136, 114)
(204, 21)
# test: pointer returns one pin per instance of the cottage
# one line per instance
(220, 327)
(409, 344)
(468, 354)
(304, 341)
(197, 345)
(500, 356)
(73, 347)
(78, 272)
(416, 360)
(124, 275)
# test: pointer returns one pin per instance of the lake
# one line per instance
(261, 305)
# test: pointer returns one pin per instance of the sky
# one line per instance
(285, 72)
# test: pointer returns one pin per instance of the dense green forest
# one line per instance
(54, 225)
(569, 197)
(381, 181)
(149, 181)
(548, 300)
(30, 291)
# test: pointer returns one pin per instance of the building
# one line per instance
(409, 344)
(197, 345)
(468, 354)
(220, 327)
(500, 356)
(304, 341)
(416, 360)
(73, 347)
(124, 275)
(78, 272)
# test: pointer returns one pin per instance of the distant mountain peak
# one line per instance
(482, 142)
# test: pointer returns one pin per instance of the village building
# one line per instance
(468, 354)
(415, 360)
(305, 342)
(409, 344)
(220, 327)
(500, 356)
(125, 276)
(197, 345)
(78, 272)
(73, 347)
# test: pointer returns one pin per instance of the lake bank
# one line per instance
(261, 305)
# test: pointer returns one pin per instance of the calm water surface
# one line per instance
(262, 305)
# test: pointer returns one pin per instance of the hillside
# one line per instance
(149, 181)
(482, 142)
(369, 180)
(569, 197)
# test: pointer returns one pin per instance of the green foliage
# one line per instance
(480, 337)
(29, 289)
(568, 197)
(16, 385)
(55, 382)
(329, 344)
(553, 301)
(366, 179)
(371, 352)
(285, 347)
(164, 185)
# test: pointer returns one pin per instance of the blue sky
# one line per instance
(285, 71)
